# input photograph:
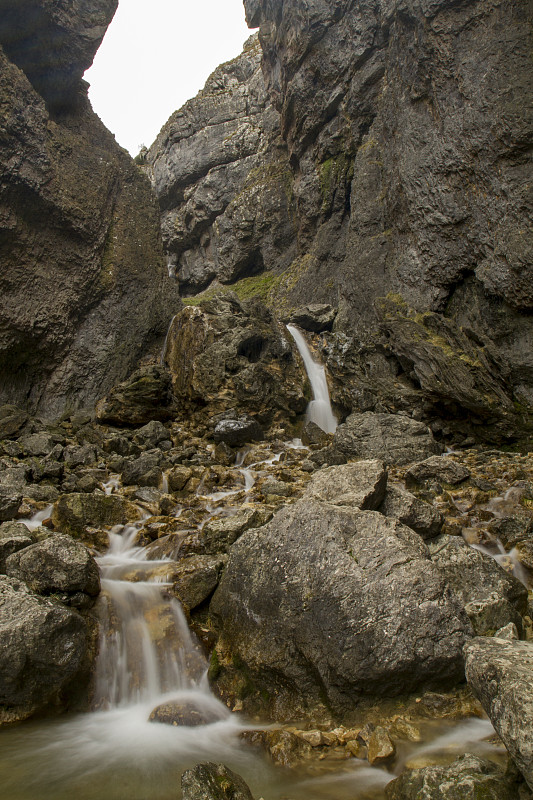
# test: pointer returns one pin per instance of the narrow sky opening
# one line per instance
(155, 56)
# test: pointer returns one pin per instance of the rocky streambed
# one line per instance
(330, 603)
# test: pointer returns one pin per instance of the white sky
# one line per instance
(155, 56)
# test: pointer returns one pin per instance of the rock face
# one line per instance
(383, 622)
(417, 231)
(221, 172)
(84, 287)
(234, 356)
(499, 672)
(43, 645)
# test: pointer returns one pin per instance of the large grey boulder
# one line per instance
(42, 647)
(57, 565)
(393, 438)
(329, 603)
(500, 673)
(468, 778)
(360, 485)
(10, 498)
(437, 468)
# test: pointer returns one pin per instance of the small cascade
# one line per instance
(146, 648)
(319, 409)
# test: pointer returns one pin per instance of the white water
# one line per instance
(319, 409)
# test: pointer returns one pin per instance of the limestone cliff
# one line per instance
(221, 172)
(84, 289)
(407, 127)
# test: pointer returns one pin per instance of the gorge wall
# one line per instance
(386, 155)
(84, 288)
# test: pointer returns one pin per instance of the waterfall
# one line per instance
(165, 343)
(319, 409)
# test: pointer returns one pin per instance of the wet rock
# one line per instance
(57, 565)
(38, 444)
(384, 622)
(313, 436)
(380, 747)
(315, 317)
(468, 777)
(142, 471)
(186, 713)
(152, 434)
(14, 536)
(392, 438)
(75, 456)
(234, 357)
(178, 477)
(499, 672)
(220, 533)
(146, 395)
(276, 488)
(73, 513)
(12, 419)
(10, 499)
(492, 613)
(442, 469)
(475, 576)
(360, 485)
(420, 516)
(14, 477)
(197, 577)
(284, 748)
(42, 647)
(237, 432)
(213, 782)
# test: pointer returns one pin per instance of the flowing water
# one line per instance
(148, 658)
(319, 409)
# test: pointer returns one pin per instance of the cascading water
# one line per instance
(319, 409)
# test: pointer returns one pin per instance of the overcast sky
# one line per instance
(155, 56)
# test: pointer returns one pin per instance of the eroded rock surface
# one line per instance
(213, 782)
(85, 290)
(499, 672)
(383, 622)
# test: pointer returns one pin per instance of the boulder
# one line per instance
(313, 436)
(393, 438)
(197, 577)
(219, 533)
(10, 499)
(383, 622)
(314, 317)
(144, 396)
(475, 576)
(360, 485)
(42, 647)
(152, 434)
(178, 477)
(73, 513)
(499, 672)
(187, 713)
(213, 782)
(238, 432)
(58, 565)
(142, 471)
(468, 778)
(38, 444)
(12, 419)
(437, 468)
(14, 536)
(420, 516)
